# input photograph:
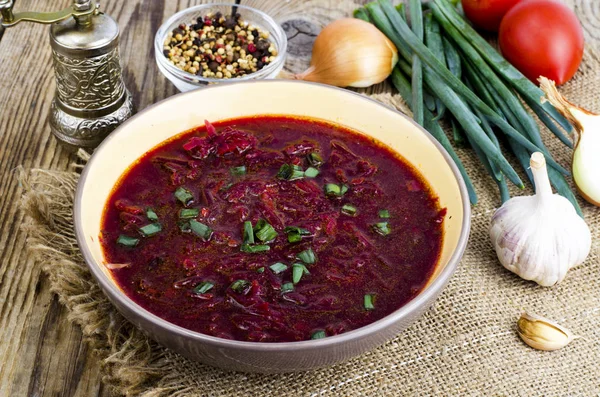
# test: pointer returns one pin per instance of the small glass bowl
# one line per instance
(185, 81)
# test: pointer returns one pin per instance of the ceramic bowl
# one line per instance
(179, 113)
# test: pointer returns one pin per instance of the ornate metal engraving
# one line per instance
(88, 83)
(86, 132)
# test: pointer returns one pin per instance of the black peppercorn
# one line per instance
(263, 45)
(212, 65)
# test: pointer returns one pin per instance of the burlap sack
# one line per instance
(465, 344)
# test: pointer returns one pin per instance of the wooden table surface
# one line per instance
(41, 353)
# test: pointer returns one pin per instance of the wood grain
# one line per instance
(41, 354)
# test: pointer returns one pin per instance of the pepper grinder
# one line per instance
(91, 99)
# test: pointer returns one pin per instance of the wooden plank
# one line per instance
(588, 12)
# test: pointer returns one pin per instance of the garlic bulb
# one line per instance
(586, 161)
(540, 237)
(350, 53)
(543, 334)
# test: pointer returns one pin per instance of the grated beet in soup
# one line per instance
(271, 229)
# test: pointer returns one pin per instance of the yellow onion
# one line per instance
(586, 152)
(350, 53)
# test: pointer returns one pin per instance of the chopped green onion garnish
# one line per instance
(287, 287)
(369, 302)
(296, 229)
(382, 228)
(151, 215)
(260, 270)
(295, 233)
(278, 267)
(298, 270)
(200, 229)
(349, 210)
(188, 213)
(314, 159)
(294, 237)
(384, 213)
(185, 196)
(332, 189)
(290, 172)
(238, 171)
(264, 231)
(185, 226)
(254, 248)
(151, 229)
(297, 173)
(203, 287)
(311, 172)
(248, 233)
(127, 241)
(318, 335)
(307, 256)
(240, 286)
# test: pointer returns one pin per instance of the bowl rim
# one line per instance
(432, 288)
(273, 29)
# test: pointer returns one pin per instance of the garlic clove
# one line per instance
(543, 334)
(350, 53)
(586, 162)
(540, 237)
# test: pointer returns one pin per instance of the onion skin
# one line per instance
(350, 53)
(586, 163)
(586, 159)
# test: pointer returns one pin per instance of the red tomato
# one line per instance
(542, 38)
(487, 14)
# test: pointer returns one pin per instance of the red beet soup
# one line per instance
(271, 229)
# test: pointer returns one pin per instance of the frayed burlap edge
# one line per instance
(130, 360)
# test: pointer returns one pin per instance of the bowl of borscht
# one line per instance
(271, 226)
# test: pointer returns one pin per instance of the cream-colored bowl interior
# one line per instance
(189, 110)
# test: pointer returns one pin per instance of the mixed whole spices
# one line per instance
(218, 46)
